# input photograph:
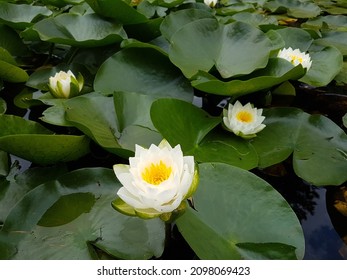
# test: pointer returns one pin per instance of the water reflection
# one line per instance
(325, 229)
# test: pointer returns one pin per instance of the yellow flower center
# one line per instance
(295, 58)
(244, 116)
(156, 173)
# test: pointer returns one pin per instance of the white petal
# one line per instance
(129, 198)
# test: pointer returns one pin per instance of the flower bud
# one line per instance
(65, 84)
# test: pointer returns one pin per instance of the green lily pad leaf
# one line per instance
(229, 223)
(96, 116)
(297, 9)
(87, 30)
(326, 65)
(314, 141)
(235, 8)
(3, 106)
(186, 124)
(337, 39)
(334, 22)
(56, 114)
(4, 164)
(93, 224)
(344, 120)
(16, 185)
(20, 16)
(295, 38)
(222, 146)
(142, 70)
(276, 72)
(11, 41)
(230, 48)
(12, 73)
(117, 9)
(176, 20)
(255, 19)
(31, 141)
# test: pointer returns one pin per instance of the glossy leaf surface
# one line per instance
(232, 219)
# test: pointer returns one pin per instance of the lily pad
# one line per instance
(314, 141)
(117, 9)
(202, 44)
(142, 70)
(196, 132)
(88, 30)
(296, 9)
(276, 72)
(94, 225)
(232, 218)
(20, 16)
(31, 141)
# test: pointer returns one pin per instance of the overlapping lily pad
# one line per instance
(193, 129)
(227, 222)
(20, 16)
(94, 224)
(87, 30)
(205, 43)
(314, 141)
(31, 141)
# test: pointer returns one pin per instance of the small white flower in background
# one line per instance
(156, 181)
(211, 3)
(65, 84)
(244, 121)
(296, 57)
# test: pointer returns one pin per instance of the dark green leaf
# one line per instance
(232, 212)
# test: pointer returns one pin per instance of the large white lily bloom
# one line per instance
(156, 180)
(65, 84)
(244, 121)
(296, 57)
(211, 3)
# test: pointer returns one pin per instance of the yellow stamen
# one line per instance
(296, 58)
(244, 116)
(156, 173)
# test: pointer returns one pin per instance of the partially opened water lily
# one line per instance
(65, 84)
(156, 182)
(244, 121)
(296, 57)
(211, 3)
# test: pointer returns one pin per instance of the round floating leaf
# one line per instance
(326, 65)
(95, 115)
(80, 30)
(31, 141)
(45, 149)
(16, 184)
(176, 20)
(186, 124)
(344, 120)
(314, 140)
(20, 16)
(276, 72)
(12, 73)
(297, 9)
(205, 43)
(334, 22)
(93, 223)
(223, 146)
(338, 39)
(233, 219)
(117, 9)
(255, 19)
(11, 41)
(295, 38)
(4, 164)
(142, 70)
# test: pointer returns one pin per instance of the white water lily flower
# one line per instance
(244, 121)
(65, 84)
(296, 57)
(156, 180)
(211, 3)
